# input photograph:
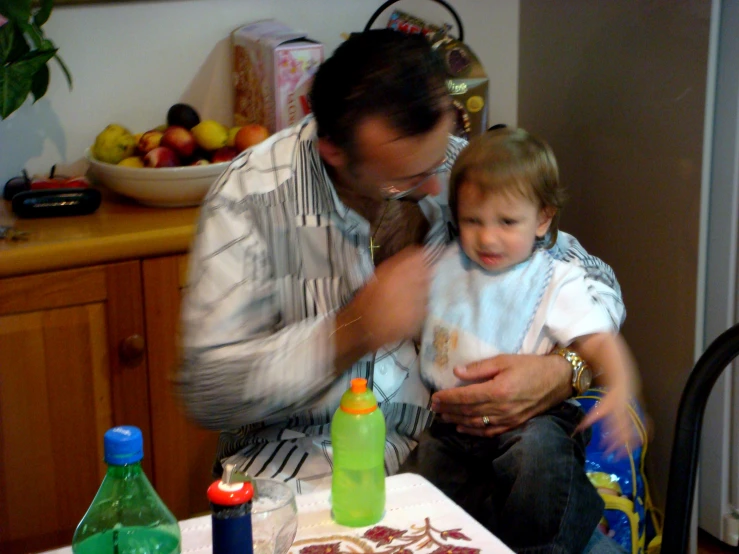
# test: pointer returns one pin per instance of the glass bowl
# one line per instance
(274, 517)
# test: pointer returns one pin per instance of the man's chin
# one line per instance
(413, 199)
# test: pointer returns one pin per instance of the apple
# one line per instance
(149, 141)
(200, 161)
(161, 156)
(180, 140)
(232, 135)
(249, 135)
(224, 154)
(132, 161)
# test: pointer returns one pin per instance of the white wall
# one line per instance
(131, 60)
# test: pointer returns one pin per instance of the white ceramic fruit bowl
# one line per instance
(169, 187)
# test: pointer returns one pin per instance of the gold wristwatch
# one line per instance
(582, 375)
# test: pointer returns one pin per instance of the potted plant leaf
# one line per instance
(25, 52)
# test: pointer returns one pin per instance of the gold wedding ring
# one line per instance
(485, 420)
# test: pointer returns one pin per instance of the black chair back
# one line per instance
(686, 446)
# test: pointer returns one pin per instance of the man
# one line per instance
(307, 272)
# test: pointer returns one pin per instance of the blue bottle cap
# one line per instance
(123, 445)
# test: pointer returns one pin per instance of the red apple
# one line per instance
(161, 156)
(249, 135)
(149, 141)
(180, 140)
(224, 154)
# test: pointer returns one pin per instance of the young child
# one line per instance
(499, 290)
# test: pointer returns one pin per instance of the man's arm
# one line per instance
(241, 363)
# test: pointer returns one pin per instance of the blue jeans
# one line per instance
(527, 486)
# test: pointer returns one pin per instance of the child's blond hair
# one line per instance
(510, 160)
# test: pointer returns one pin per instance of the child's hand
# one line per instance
(619, 427)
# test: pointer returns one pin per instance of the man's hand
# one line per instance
(389, 308)
(514, 388)
(393, 303)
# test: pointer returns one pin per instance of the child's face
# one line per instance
(497, 230)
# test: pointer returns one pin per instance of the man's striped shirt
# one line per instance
(276, 255)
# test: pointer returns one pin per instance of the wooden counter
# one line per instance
(118, 230)
(89, 316)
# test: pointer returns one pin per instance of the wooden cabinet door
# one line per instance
(183, 452)
(70, 368)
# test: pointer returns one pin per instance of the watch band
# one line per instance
(578, 366)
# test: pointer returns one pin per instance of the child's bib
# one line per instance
(475, 314)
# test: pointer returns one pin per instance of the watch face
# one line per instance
(586, 379)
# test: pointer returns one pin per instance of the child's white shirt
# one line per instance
(475, 314)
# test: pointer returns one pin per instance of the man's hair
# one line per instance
(512, 161)
(379, 72)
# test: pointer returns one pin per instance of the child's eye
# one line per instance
(509, 222)
(469, 220)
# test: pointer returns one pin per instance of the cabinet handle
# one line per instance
(131, 350)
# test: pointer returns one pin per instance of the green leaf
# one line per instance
(40, 83)
(14, 88)
(7, 36)
(20, 47)
(12, 43)
(46, 44)
(16, 10)
(27, 66)
(43, 13)
(16, 80)
(33, 32)
(65, 69)
(25, 52)
(32, 61)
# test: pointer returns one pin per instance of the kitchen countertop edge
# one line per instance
(53, 256)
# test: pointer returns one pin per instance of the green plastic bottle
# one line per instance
(358, 443)
(126, 516)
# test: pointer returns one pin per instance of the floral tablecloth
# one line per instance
(418, 519)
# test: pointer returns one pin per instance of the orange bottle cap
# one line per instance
(359, 385)
(358, 400)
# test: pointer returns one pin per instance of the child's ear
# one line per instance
(546, 215)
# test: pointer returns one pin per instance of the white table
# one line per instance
(418, 516)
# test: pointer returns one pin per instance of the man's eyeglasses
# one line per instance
(396, 192)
